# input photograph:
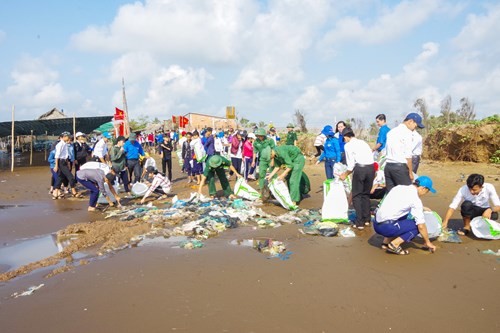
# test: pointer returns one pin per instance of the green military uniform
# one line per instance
(118, 158)
(258, 148)
(210, 172)
(292, 157)
(291, 137)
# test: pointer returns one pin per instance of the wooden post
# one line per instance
(31, 149)
(12, 142)
(74, 126)
(45, 147)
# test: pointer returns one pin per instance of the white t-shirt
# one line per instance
(61, 150)
(399, 144)
(100, 149)
(488, 192)
(401, 200)
(357, 152)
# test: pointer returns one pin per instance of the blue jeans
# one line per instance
(329, 163)
(94, 191)
(248, 167)
(404, 228)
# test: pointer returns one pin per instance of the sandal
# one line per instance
(391, 248)
(77, 195)
(384, 246)
(463, 232)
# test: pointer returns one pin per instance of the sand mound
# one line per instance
(475, 142)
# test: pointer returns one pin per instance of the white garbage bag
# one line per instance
(338, 169)
(245, 191)
(280, 191)
(485, 228)
(433, 222)
(102, 199)
(179, 157)
(335, 205)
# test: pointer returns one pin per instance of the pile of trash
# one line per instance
(199, 218)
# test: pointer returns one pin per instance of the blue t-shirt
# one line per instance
(133, 150)
(332, 149)
(382, 136)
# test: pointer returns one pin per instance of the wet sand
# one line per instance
(327, 285)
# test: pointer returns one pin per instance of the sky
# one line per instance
(332, 60)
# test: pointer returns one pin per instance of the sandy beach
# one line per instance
(327, 284)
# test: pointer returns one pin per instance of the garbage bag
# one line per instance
(335, 205)
(326, 229)
(199, 152)
(449, 236)
(102, 199)
(280, 192)
(139, 189)
(179, 157)
(245, 191)
(433, 223)
(485, 228)
(338, 169)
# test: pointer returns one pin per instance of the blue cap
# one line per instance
(415, 117)
(425, 182)
(106, 135)
(327, 129)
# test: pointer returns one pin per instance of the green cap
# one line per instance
(214, 161)
(260, 132)
(290, 125)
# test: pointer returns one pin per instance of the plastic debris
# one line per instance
(27, 292)
(191, 244)
(326, 229)
(449, 236)
(491, 252)
(347, 232)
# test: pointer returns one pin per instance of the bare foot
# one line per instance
(91, 209)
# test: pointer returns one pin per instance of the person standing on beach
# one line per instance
(118, 158)
(331, 151)
(134, 150)
(291, 137)
(382, 133)
(360, 161)
(474, 200)
(398, 168)
(100, 152)
(236, 152)
(209, 144)
(262, 142)
(272, 135)
(319, 141)
(187, 156)
(61, 167)
(338, 134)
(248, 156)
(197, 166)
(392, 218)
(166, 156)
(416, 152)
(82, 150)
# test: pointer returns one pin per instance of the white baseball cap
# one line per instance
(79, 134)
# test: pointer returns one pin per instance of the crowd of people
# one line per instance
(385, 171)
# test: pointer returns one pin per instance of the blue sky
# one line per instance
(331, 59)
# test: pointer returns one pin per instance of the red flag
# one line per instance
(119, 114)
(174, 120)
(183, 121)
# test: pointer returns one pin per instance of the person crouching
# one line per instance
(160, 183)
(215, 165)
(93, 180)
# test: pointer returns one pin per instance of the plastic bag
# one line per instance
(335, 205)
(280, 192)
(139, 189)
(245, 191)
(449, 236)
(433, 223)
(179, 157)
(485, 228)
(102, 199)
(199, 151)
(338, 169)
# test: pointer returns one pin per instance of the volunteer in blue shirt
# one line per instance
(382, 133)
(331, 153)
(209, 144)
(338, 134)
(133, 149)
(392, 218)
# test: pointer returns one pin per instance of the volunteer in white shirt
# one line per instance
(398, 169)
(62, 168)
(392, 221)
(475, 201)
(100, 151)
(417, 150)
(359, 158)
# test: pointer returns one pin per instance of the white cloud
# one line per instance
(204, 30)
(173, 86)
(391, 24)
(132, 66)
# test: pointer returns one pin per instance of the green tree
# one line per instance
(262, 124)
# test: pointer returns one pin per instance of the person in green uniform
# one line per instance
(291, 138)
(259, 145)
(291, 157)
(215, 165)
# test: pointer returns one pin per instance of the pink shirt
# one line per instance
(248, 149)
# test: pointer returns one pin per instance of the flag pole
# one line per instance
(12, 142)
(125, 108)
(31, 149)
(74, 126)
